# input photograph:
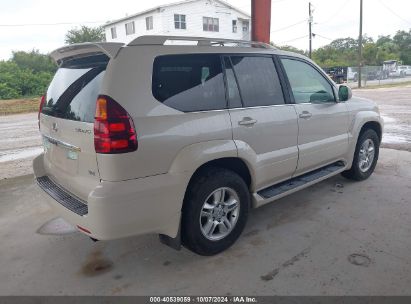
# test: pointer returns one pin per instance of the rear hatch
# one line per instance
(67, 118)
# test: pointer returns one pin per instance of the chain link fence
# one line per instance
(376, 75)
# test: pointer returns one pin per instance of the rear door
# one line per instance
(323, 122)
(66, 123)
(263, 123)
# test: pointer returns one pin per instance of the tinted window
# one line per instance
(258, 81)
(307, 84)
(234, 98)
(189, 83)
(73, 92)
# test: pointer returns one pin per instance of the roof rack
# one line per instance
(201, 41)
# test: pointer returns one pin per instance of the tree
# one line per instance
(290, 48)
(33, 61)
(403, 40)
(25, 74)
(85, 34)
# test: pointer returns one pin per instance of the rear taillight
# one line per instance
(42, 100)
(114, 130)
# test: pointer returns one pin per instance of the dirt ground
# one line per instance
(14, 106)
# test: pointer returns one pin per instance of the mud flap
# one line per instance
(174, 243)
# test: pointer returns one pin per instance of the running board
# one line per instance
(300, 181)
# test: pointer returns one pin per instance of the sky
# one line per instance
(332, 19)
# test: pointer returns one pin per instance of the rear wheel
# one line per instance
(365, 157)
(215, 211)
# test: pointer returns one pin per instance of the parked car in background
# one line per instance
(405, 70)
(182, 140)
(352, 74)
(391, 69)
(338, 74)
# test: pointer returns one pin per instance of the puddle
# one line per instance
(389, 138)
(57, 226)
(19, 139)
(10, 155)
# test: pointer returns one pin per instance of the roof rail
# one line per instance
(201, 41)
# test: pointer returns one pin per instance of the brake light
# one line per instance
(114, 130)
(42, 101)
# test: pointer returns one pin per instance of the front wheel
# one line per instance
(215, 211)
(365, 157)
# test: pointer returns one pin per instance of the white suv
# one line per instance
(182, 140)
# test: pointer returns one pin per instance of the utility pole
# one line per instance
(261, 20)
(310, 21)
(360, 48)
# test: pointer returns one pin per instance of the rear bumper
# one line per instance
(150, 205)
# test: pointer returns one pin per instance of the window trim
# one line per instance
(277, 69)
(246, 25)
(134, 27)
(212, 24)
(223, 56)
(113, 32)
(234, 25)
(219, 55)
(149, 23)
(288, 84)
(180, 22)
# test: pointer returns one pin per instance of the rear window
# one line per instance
(189, 83)
(73, 92)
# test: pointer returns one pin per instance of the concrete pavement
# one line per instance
(335, 238)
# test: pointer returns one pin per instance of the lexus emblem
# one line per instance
(54, 127)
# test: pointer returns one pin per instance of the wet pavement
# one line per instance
(335, 238)
(395, 107)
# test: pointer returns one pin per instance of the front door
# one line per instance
(323, 122)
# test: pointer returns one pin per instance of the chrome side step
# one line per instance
(302, 180)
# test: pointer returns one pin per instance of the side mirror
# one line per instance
(344, 93)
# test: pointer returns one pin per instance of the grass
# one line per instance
(16, 106)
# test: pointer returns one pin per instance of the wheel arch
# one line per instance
(234, 164)
(363, 121)
(373, 125)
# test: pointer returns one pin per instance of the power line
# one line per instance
(49, 24)
(336, 13)
(288, 26)
(315, 35)
(298, 38)
(388, 8)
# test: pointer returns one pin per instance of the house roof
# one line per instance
(157, 8)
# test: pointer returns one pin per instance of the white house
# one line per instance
(198, 18)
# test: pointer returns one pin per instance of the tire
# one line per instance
(355, 77)
(362, 170)
(206, 188)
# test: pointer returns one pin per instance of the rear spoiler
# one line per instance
(85, 49)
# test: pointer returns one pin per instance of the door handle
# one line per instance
(305, 115)
(247, 121)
